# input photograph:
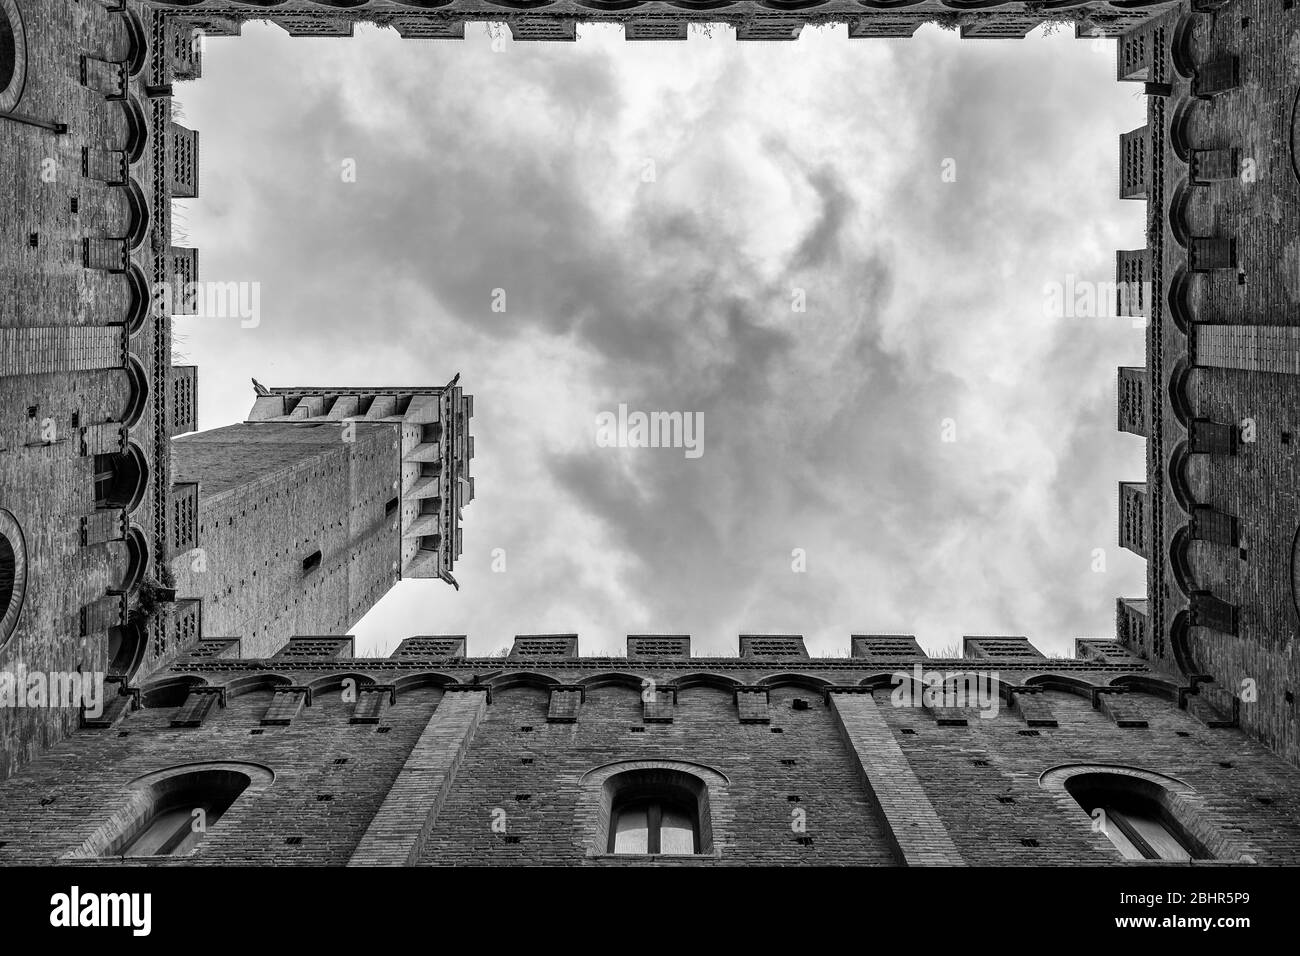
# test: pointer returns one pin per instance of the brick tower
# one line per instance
(303, 516)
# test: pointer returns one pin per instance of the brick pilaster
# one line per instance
(917, 835)
(397, 833)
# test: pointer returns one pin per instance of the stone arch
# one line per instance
(254, 682)
(127, 478)
(701, 4)
(140, 299)
(138, 391)
(802, 681)
(1179, 205)
(521, 679)
(137, 214)
(127, 644)
(423, 679)
(137, 128)
(13, 55)
(169, 692)
(792, 4)
(1179, 123)
(707, 679)
(138, 47)
(1178, 481)
(610, 5)
(521, 4)
(1182, 302)
(1180, 392)
(614, 679)
(1180, 642)
(1180, 561)
(887, 681)
(13, 574)
(1182, 46)
(137, 558)
(1147, 684)
(335, 682)
(1064, 683)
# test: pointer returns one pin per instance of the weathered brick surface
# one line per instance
(269, 496)
(506, 794)
(397, 834)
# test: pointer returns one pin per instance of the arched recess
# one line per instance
(121, 478)
(521, 4)
(1180, 380)
(1180, 562)
(802, 681)
(139, 46)
(973, 4)
(1179, 205)
(887, 5)
(141, 301)
(602, 788)
(1146, 815)
(343, 4)
(610, 5)
(890, 680)
(1147, 684)
(1180, 642)
(614, 679)
(255, 682)
(424, 4)
(1178, 481)
(170, 691)
(423, 679)
(1179, 128)
(161, 807)
(1182, 307)
(127, 644)
(792, 4)
(137, 128)
(138, 391)
(706, 679)
(13, 574)
(138, 206)
(323, 685)
(137, 558)
(13, 55)
(1063, 683)
(1182, 47)
(702, 4)
(521, 679)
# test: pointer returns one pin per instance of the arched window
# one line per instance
(173, 811)
(1135, 816)
(13, 574)
(13, 55)
(656, 810)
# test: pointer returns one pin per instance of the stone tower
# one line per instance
(309, 511)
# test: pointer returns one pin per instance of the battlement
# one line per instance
(667, 649)
(749, 20)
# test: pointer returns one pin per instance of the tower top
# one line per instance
(434, 445)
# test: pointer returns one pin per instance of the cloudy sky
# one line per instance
(653, 213)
